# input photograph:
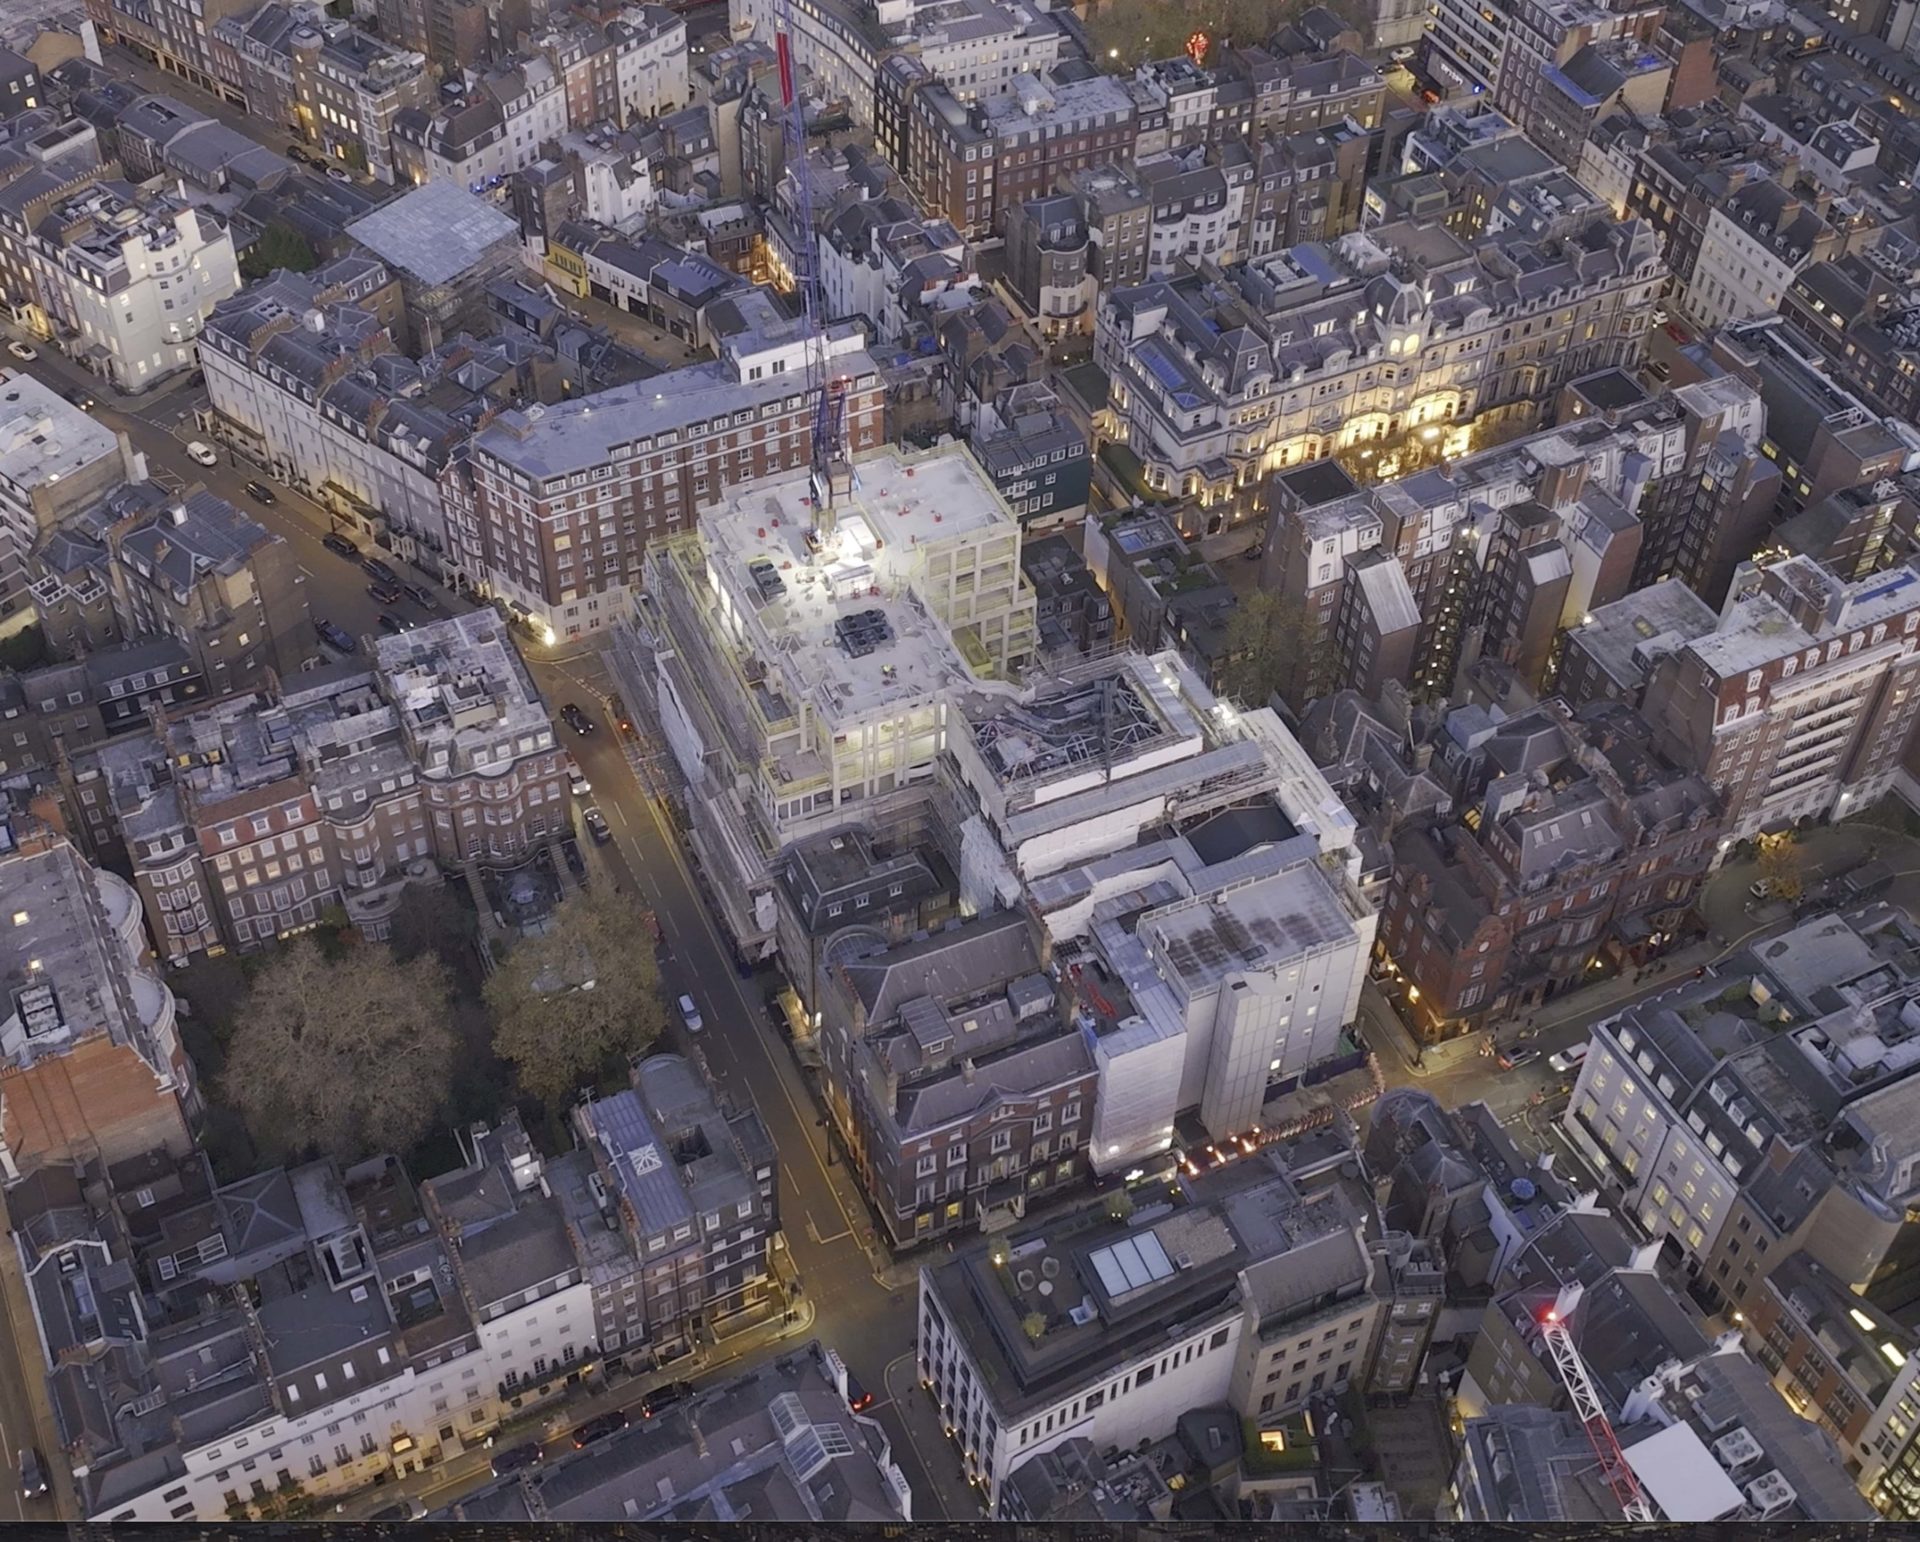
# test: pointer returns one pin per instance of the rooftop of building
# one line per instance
(544, 442)
(44, 438)
(60, 968)
(465, 699)
(436, 232)
(774, 1444)
(1627, 637)
(844, 620)
(1251, 928)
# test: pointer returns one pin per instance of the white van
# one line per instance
(1567, 1059)
(202, 454)
(690, 1015)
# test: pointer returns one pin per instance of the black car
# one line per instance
(600, 1427)
(385, 594)
(340, 545)
(576, 864)
(81, 397)
(421, 596)
(390, 623)
(661, 1398)
(298, 156)
(373, 567)
(514, 1458)
(574, 718)
(336, 637)
(859, 1399)
(596, 823)
(259, 492)
(33, 1474)
(404, 1510)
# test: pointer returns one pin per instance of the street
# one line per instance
(861, 1312)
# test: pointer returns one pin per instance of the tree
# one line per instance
(24, 649)
(278, 246)
(570, 1001)
(348, 1058)
(354, 154)
(1272, 644)
(1781, 866)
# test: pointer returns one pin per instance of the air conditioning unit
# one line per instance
(1769, 1494)
(1736, 1449)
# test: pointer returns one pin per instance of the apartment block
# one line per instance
(1202, 1305)
(1035, 455)
(1859, 311)
(806, 673)
(93, 1062)
(305, 375)
(1820, 434)
(1576, 839)
(630, 67)
(964, 1093)
(498, 127)
(171, 34)
(1755, 243)
(1388, 349)
(776, 1443)
(55, 461)
(971, 163)
(554, 508)
(690, 1188)
(1800, 699)
(128, 276)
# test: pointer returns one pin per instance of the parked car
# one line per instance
(339, 173)
(574, 718)
(336, 637)
(408, 1509)
(597, 827)
(421, 596)
(690, 1014)
(576, 864)
(777, 1017)
(298, 156)
(1761, 888)
(600, 1427)
(1513, 1059)
(516, 1457)
(392, 624)
(21, 350)
(202, 454)
(385, 594)
(1661, 316)
(1677, 332)
(373, 567)
(661, 1398)
(577, 782)
(340, 545)
(1567, 1059)
(33, 1474)
(1659, 370)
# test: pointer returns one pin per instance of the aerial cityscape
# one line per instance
(944, 762)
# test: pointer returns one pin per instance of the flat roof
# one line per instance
(857, 585)
(1681, 1476)
(1252, 928)
(434, 233)
(42, 437)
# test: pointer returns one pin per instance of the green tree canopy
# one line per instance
(346, 1057)
(279, 246)
(570, 1003)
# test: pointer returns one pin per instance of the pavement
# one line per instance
(26, 1414)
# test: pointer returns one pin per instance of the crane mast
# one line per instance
(1591, 1413)
(830, 464)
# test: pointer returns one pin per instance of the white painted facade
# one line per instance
(309, 448)
(1110, 1404)
(1737, 275)
(650, 68)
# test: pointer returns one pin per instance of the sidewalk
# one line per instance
(447, 1483)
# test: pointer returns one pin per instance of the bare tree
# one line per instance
(348, 1058)
(1273, 644)
(570, 1002)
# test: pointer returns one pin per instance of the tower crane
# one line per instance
(1587, 1407)
(830, 462)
